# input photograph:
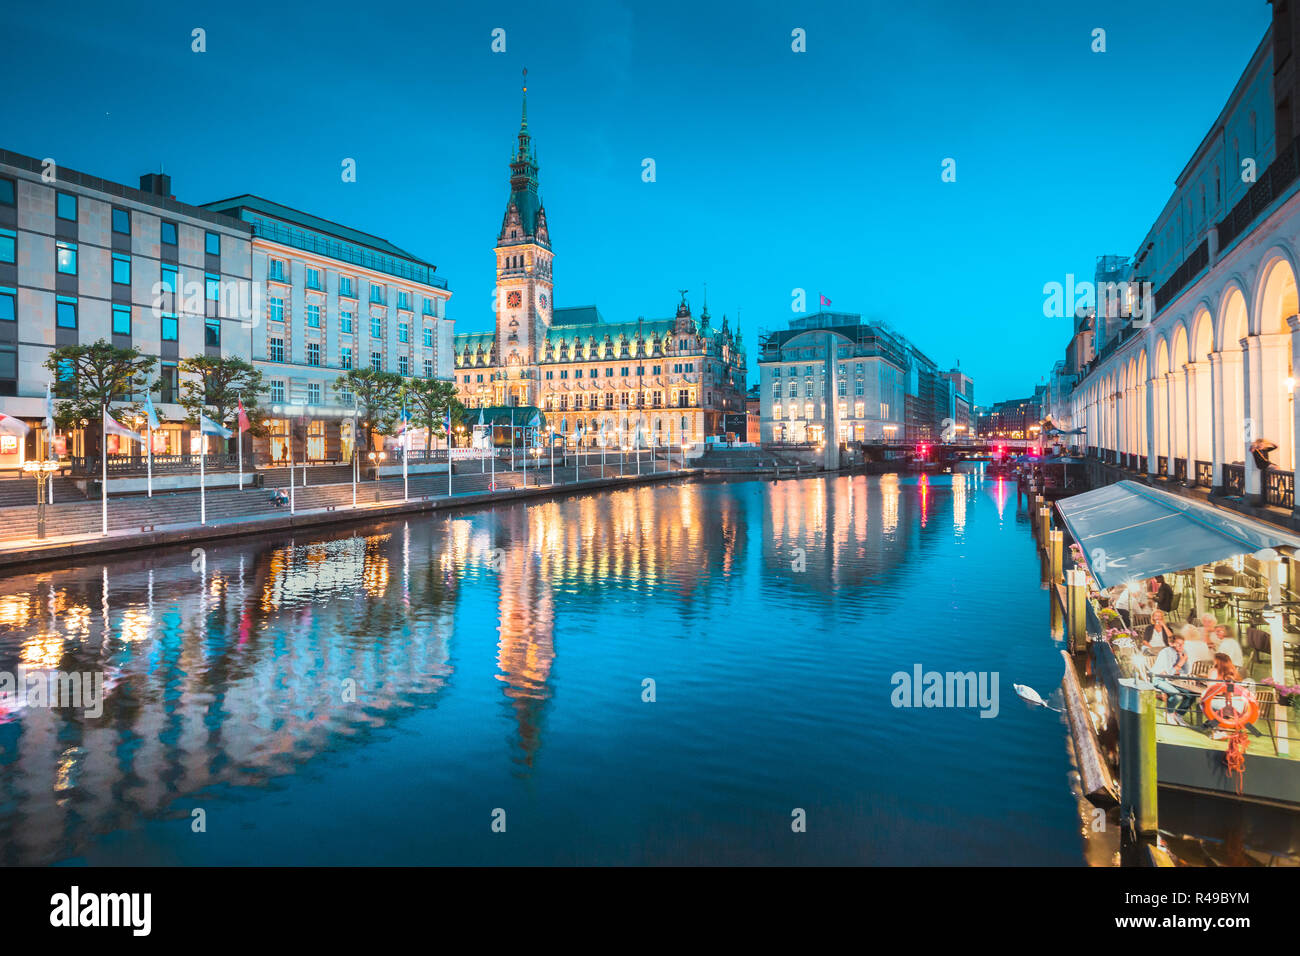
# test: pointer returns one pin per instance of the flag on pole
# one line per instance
(824, 300)
(244, 424)
(49, 408)
(9, 423)
(113, 427)
(151, 413)
(208, 427)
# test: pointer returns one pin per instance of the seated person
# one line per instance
(1224, 670)
(1220, 642)
(1157, 633)
(278, 497)
(1172, 662)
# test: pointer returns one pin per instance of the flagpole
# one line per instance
(103, 461)
(239, 443)
(203, 491)
(148, 461)
(406, 448)
(292, 465)
(448, 450)
(355, 450)
(49, 436)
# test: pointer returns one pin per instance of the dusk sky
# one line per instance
(775, 170)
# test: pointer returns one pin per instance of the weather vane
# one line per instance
(683, 294)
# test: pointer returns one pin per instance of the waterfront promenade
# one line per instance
(73, 526)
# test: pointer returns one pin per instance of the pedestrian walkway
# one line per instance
(71, 522)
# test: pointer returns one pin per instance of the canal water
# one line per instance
(675, 674)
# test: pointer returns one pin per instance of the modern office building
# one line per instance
(336, 298)
(676, 379)
(84, 259)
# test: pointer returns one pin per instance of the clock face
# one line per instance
(514, 299)
(541, 299)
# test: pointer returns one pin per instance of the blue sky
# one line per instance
(775, 170)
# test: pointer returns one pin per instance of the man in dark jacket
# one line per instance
(1164, 595)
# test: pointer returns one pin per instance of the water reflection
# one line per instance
(236, 666)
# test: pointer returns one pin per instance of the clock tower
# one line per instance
(524, 284)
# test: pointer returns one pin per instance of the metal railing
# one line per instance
(1279, 488)
(119, 465)
(337, 249)
(1234, 479)
(1281, 173)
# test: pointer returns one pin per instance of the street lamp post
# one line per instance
(42, 470)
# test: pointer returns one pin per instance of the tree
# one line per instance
(88, 378)
(376, 396)
(427, 402)
(215, 386)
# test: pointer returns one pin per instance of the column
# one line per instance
(1150, 412)
(1252, 381)
(1189, 406)
(1216, 423)
(1293, 322)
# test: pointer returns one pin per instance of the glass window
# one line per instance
(277, 270)
(313, 279)
(212, 243)
(121, 320)
(428, 307)
(212, 331)
(8, 245)
(428, 336)
(212, 287)
(122, 221)
(377, 361)
(345, 358)
(345, 322)
(277, 390)
(170, 328)
(122, 269)
(169, 279)
(313, 353)
(345, 286)
(376, 328)
(168, 233)
(377, 294)
(276, 308)
(313, 316)
(403, 332)
(66, 313)
(428, 368)
(8, 305)
(403, 365)
(67, 258)
(66, 206)
(313, 393)
(7, 194)
(277, 350)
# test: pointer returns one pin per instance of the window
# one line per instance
(404, 300)
(313, 279)
(66, 258)
(377, 294)
(346, 397)
(122, 221)
(313, 316)
(428, 336)
(66, 206)
(8, 241)
(212, 243)
(428, 368)
(170, 328)
(122, 269)
(65, 313)
(8, 304)
(212, 332)
(168, 233)
(403, 365)
(609, 373)
(277, 270)
(376, 328)
(345, 286)
(167, 382)
(212, 287)
(277, 390)
(275, 307)
(313, 353)
(313, 393)
(623, 372)
(345, 358)
(169, 279)
(277, 350)
(428, 307)
(345, 322)
(577, 373)
(121, 320)
(377, 361)
(403, 332)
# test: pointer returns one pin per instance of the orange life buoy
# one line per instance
(1238, 721)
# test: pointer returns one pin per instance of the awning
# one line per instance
(1128, 531)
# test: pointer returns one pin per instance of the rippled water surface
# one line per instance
(499, 660)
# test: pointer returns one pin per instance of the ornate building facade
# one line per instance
(676, 379)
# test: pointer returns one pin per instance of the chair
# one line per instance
(1267, 697)
(1201, 668)
(1260, 645)
(1140, 619)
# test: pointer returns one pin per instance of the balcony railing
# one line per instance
(1281, 173)
(1234, 479)
(1183, 275)
(1279, 488)
(346, 252)
(1180, 469)
(1204, 474)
